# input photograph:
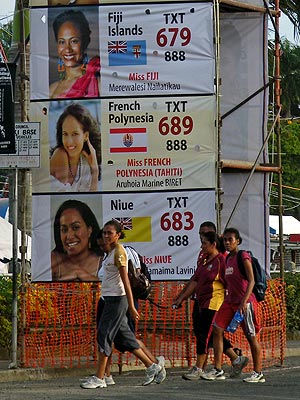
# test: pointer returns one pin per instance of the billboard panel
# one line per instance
(126, 104)
(129, 52)
(161, 226)
(147, 50)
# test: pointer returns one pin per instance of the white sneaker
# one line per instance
(151, 373)
(255, 377)
(238, 365)
(193, 374)
(109, 380)
(161, 376)
(85, 378)
(93, 382)
(213, 375)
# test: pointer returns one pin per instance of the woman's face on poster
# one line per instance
(73, 136)
(74, 232)
(69, 44)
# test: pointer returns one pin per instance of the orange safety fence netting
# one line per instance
(59, 329)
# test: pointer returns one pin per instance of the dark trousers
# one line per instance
(202, 324)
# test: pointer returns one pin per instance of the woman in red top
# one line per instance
(208, 283)
(239, 297)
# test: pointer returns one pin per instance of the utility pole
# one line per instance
(278, 136)
(23, 172)
(19, 204)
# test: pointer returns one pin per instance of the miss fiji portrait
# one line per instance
(78, 74)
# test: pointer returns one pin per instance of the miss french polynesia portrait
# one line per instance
(75, 160)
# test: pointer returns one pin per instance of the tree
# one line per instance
(291, 8)
(290, 150)
(6, 36)
(290, 79)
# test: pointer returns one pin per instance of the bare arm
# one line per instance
(186, 292)
(251, 282)
(59, 165)
(124, 276)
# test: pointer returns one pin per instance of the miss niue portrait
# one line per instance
(74, 62)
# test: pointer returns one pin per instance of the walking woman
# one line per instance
(113, 325)
(208, 284)
(239, 297)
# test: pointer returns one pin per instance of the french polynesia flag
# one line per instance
(128, 140)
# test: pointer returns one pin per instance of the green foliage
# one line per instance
(292, 290)
(6, 36)
(290, 78)
(290, 147)
(290, 158)
(291, 8)
(5, 312)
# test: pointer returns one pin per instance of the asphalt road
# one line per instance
(281, 383)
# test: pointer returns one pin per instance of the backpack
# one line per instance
(259, 273)
(140, 281)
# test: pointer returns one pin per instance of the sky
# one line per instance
(6, 8)
(286, 28)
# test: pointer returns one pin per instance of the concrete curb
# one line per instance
(27, 374)
(292, 353)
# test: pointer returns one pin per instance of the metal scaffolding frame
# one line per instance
(229, 5)
(255, 166)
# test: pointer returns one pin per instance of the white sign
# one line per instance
(158, 144)
(163, 227)
(27, 147)
(157, 49)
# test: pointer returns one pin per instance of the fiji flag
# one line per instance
(130, 52)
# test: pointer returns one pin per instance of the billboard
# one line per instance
(125, 98)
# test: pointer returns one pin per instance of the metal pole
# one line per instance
(23, 251)
(23, 175)
(277, 132)
(218, 117)
(16, 271)
(14, 338)
(278, 137)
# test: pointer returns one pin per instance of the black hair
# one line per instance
(209, 224)
(210, 236)
(89, 124)
(100, 234)
(100, 246)
(235, 232)
(220, 244)
(78, 19)
(88, 217)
